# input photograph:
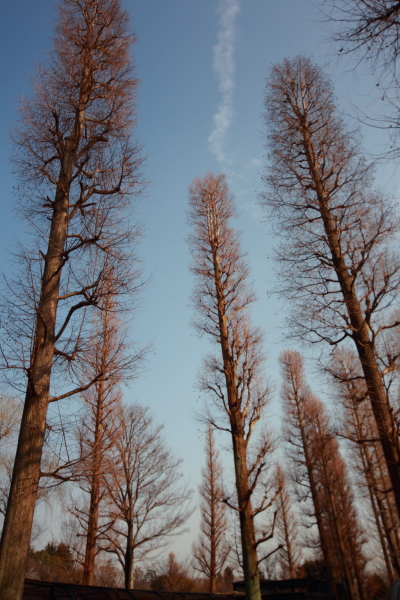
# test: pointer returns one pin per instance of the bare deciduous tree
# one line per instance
(289, 554)
(335, 259)
(369, 30)
(148, 504)
(10, 416)
(345, 536)
(98, 430)
(212, 550)
(234, 378)
(320, 475)
(360, 430)
(296, 396)
(77, 170)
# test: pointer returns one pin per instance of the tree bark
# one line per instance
(129, 559)
(361, 335)
(93, 517)
(250, 561)
(74, 130)
(26, 474)
(234, 377)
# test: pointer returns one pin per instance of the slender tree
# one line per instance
(360, 430)
(335, 262)
(289, 554)
(296, 396)
(320, 475)
(234, 378)
(97, 436)
(147, 501)
(212, 550)
(98, 430)
(77, 170)
(345, 536)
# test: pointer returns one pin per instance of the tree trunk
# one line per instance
(325, 547)
(93, 517)
(129, 560)
(373, 486)
(250, 561)
(212, 586)
(361, 333)
(91, 537)
(26, 474)
(301, 423)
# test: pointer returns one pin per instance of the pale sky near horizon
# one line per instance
(202, 66)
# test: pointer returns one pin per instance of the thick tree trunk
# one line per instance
(17, 527)
(360, 331)
(250, 561)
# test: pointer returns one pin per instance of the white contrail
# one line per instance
(224, 67)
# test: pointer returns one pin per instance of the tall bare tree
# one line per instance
(369, 31)
(289, 554)
(233, 379)
(10, 417)
(296, 396)
(148, 503)
(336, 264)
(99, 429)
(345, 536)
(77, 170)
(211, 551)
(320, 475)
(360, 430)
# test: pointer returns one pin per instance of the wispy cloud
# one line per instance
(224, 67)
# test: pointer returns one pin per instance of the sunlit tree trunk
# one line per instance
(361, 430)
(66, 153)
(233, 378)
(336, 228)
(296, 397)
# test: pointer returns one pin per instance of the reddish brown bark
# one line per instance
(361, 430)
(320, 473)
(63, 150)
(336, 263)
(233, 379)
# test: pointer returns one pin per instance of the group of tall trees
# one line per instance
(339, 269)
(67, 325)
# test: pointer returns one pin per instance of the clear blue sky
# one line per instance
(178, 99)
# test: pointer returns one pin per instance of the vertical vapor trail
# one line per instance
(224, 67)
